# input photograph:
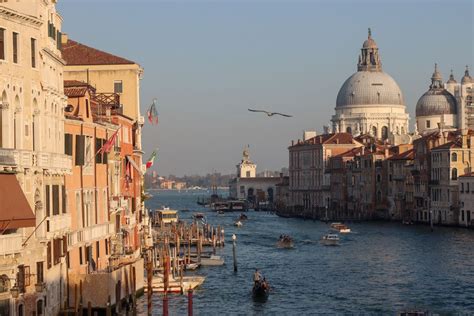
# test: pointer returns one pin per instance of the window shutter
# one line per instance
(58, 40)
(64, 245)
(63, 190)
(68, 144)
(80, 142)
(98, 145)
(48, 202)
(49, 254)
(55, 199)
(105, 155)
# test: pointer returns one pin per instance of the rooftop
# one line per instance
(75, 53)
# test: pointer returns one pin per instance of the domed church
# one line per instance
(370, 101)
(448, 105)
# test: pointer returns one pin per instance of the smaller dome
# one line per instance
(369, 43)
(436, 102)
(451, 78)
(467, 78)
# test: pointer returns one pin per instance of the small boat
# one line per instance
(220, 212)
(330, 240)
(238, 224)
(285, 242)
(213, 260)
(261, 290)
(343, 229)
(407, 222)
(198, 215)
(243, 217)
(191, 266)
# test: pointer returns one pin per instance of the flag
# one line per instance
(109, 143)
(150, 161)
(152, 113)
(128, 174)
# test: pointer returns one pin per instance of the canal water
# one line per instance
(379, 268)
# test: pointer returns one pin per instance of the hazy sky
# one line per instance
(207, 62)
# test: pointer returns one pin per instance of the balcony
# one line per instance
(92, 233)
(27, 159)
(10, 244)
(58, 224)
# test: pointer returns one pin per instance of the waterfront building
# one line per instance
(400, 183)
(370, 101)
(449, 161)
(35, 222)
(110, 74)
(309, 182)
(103, 244)
(247, 186)
(466, 199)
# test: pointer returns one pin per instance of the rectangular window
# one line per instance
(39, 272)
(68, 144)
(48, 255)
(48, 201)
(81, 260)
(118, 88)
(106, 242)
(55, 199)
(80, 143)
(2, 44)
(63, 199)
(467, 187)
(97, 249)
(98, 145)
(33, 53)
(428, 124)
(15, 47)
(58, 40)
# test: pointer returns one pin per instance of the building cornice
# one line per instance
(14, 15)
(54, 56)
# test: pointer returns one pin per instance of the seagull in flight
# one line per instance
(270, 113)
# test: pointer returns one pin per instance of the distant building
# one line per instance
(247, 186)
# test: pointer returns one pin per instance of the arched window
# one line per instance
(378, 178)
(374, 131)
(454, 157)
(379, 196)
(349, 130)
(403, 130)
(39, 308)
(454, 174)
(21, 310)
(384, 132)
(4, 284)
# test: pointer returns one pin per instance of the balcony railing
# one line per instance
(59, 224)
(10, 244)
(92, 233)
(28, 159)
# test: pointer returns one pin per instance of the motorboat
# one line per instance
(285, 242)
(191, 266)
(238, 224)
(343, 229)
(243, 217)
(330, 240)
(198, 215)
(261, 290)
(213, 260)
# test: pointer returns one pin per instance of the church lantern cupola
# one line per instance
(369, 58)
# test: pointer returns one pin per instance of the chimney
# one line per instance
(64, 38)
(308, 134)
(464, 137)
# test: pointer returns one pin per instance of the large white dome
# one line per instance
(369, 88)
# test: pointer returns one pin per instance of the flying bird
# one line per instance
(270, 113)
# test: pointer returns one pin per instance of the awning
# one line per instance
(134, 165)
(15, 212)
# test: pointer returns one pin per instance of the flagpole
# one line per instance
(93, 157)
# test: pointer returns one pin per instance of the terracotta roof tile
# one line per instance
(406, 155)
(75, 53)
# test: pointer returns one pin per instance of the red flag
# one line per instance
(109, 143)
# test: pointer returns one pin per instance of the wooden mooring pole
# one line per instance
(234, 246)
(149, 274)
(190, 302)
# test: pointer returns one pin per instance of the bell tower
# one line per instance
(246, 169)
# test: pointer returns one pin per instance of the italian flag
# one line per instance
(150, 161)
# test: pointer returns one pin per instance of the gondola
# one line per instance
(261, 290)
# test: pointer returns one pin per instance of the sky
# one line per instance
(207, 62)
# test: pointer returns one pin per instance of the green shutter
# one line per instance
(80, 148)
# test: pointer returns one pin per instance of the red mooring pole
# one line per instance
(190, 302)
